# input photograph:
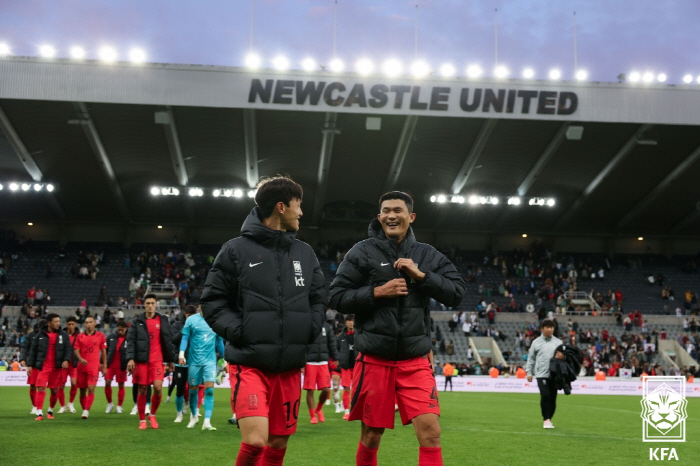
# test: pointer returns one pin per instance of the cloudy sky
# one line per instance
(614, 36)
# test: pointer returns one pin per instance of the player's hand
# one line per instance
(130, 366)
(83, 361)
(23, 364)
(104, 370)
(182, 362)
(410, 268)
(559, 355)
(29, 371)
(171, 366)
(392, 289)
(64, 365)
(529, 378)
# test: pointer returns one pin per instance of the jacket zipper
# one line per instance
(279, 292)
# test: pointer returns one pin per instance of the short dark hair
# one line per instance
(41, 323)
(89, 317)
(397, 195)
(349, 317)
(71, 319)
(122, 324)
(150, 296)
(190, 310)
(547, 323)
(272, 190)
(51, 317)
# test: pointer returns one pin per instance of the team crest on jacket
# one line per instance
(157, 325)
(298, 279)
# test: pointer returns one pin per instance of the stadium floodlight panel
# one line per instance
(581, 75)
(216, 193)
(308, 64)
(228, 192)
(4, 49)
(433, 198)
(47, 51)
(500, 72)
(238, 193)
(528, 73)
(252, 193)
(420, 69)
(473, 199)
(661, 78)
(108, 54)
(196, 192)
(448, 70)
(648, 77)
(337, 65)
(280, 62)
(551, 202)
(155, 191)
(137, 55)
(495, 200)
(49, 187)
(457, 199)
(14, 186)
(38, 187)
(474, 71)
(524, 235)
(555, 74)
(26, 186)
(364, 66)
(77, 53)
(698, 80)
(442, 198)
(640, 238)
(252, 61)
(514, 200)
(635, 77)
(392, 67)
(687, 79)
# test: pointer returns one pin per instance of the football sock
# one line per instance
(108, 393)
(120, 396)
(248, 455)
(200, 397)
(32, 395)
(62, 396)
(155, 402)
(429, 456)
(319, 406)
(52, 400)
(141, 404)
(233, 406)
(83, 401)
(346, 399)
(366, 456)
(89, 398)
(193, 402)
(208, 402)
(312, 413)
(73, 392)
(179, 403)
(273, 456)
(39, 400)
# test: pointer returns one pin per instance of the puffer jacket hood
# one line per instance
(254, 229)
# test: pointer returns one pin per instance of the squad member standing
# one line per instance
(346, 344)
(541, 352)
(116, 366)
(266, 296)
(90, 349)
(73, 331)
(24, 357)
(316, 372)
(180, 373)
(387, 281)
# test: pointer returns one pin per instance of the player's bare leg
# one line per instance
(335, 385)
(120, 397)
(108, 396)
(347, 394)
(310, 404)
(257, 444)
(370, 437)
(155, 402)
(52, 402)
(427, 428)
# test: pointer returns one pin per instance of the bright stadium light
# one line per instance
(155, 191)
(661, 78)
(38, 187)
(4, 49)
(228, 192)
(473, 199)
(137, 55)
(514, 200)
(555, 74)
(337, 65)
(308, 64)
(238, 193)
(494, 200)
(196, 192)
(14, 186)
(474, 71)
(108, 54)
(433, 198)
(420, 69)
(252, 61)
(640, 238)
(687, 79)
(635, 77)
(77, 53)
(26, 186)
(581, 75)
(528, 73)
(160, 227)
(252, 192)
(524, 235)
(698, 80)
(364, 66)
(216, 193)
(551, 202)
(448, 70)
(500, 72)
(281, 63)
(47, 51)
(392, 67)
(442, 198)
(457, 199)
(49, 188)
(648, 77)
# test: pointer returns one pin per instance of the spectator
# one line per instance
(449, 348)
(31, 294)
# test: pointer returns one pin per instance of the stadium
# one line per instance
(571, 201)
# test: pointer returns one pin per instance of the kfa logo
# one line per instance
(664, 409)
(298, 279)
(661, 454)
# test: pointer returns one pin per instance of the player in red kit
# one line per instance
(90, 349)
(72, 372)
(49, 354)
(116, 366)
(149, 344)
(346, 348)
(24, 357)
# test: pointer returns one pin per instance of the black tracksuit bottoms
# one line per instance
(548, 397)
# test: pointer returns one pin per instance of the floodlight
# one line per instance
(38, 187)
(14, 186)
(473, 200)
(447, 70)
(635, 77)
(47, 51)
(228, 192)
(392, 67)
(687, 79)
(555, 74)
(237, 193)
(513, 201)
(216, 193)
(494, 201)
(364, 66)
(164, 191)
(500, 72)
(77, 52)
(280, 62)
(4, 49)
(420, 69)
(581, 75)
(155, 191)
(441, 198)
(30, 224)
(648, 77)
(49, 188)
(308, 64)
(474, 71)
(433, 198)
(26, 186)
(524, 235)
(196, 192)
(137, 55)
(108, 54)
(528, 73)
(550, 202)
(641, 238)
(698, 80)
(1, 187)
(252, 192)
(160, 227)
(252, 61)
(661, 78)
(337, 65)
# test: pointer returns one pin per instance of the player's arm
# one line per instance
(219, 299)
(318, 299)
(31, 359)
(77, 355)
(24, 352)
(103, 355)
(166, 341)
(184, 341)
(431, 360)
(332, 345)
(531, 357)
(350, 293)
(130, 347)
(442, 282)
(220, 347)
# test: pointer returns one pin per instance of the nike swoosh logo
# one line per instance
(289, 426)
(383, 264)
(253, 265)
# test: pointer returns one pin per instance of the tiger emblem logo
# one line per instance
(664, 409)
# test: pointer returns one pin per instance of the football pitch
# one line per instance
(477, 428)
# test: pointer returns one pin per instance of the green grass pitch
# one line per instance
(477, 429)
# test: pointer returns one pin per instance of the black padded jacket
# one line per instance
(324, 348)
(393, 328)
(138, 343)
(40, 347)
(265, 295)
(26, 346)
(346, 346)
(112, 341)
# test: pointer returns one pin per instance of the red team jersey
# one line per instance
(50, 361)
(49, 375)
(117, 358)
(156, 353)
(90, 347)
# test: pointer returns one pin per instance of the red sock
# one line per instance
(312, 413)
(89, 399)
(83, 401)
(155, 402)
(273, 456)
(32, 394)
(233, 411)
(200, 398)
(429, 456)
(248, 455)
(62, 396)
(346, 399)
(366, 456)
(141, 404)
(53, 398)
(108, 393)
(39, 400)
(319, 406)
(73, 392)
(120, 396)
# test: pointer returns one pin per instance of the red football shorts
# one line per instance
(316, 377)
(377, 387)
(49, 377)
(119, 375)
(345, 377)
(146, 372)
(72, 372)
(275, 396)
(88, 378)
(31, 378)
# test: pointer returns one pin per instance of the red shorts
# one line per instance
(88, 378)
(267, 394)
(316, 377)
(119, 375)
(31, 378)
(376, 388)
(52, 378)
(345, 377)
(146, 372)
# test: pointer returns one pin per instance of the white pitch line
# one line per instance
(551, 434)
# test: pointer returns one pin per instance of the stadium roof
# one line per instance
(106, 134)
